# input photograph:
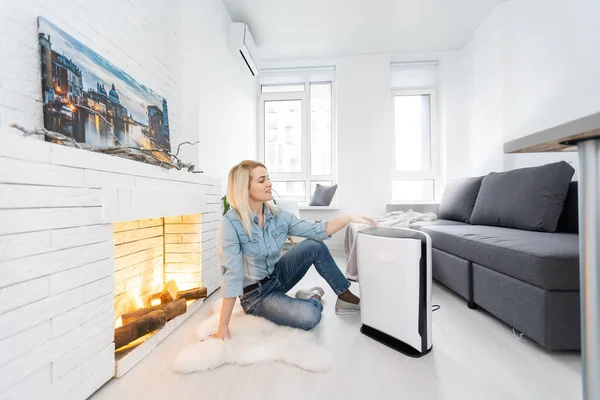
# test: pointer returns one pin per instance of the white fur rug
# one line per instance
(253, 340)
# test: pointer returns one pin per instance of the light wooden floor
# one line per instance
(474, 356)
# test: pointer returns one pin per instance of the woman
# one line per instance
(249, 243)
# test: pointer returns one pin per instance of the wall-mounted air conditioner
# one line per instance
(243, 47)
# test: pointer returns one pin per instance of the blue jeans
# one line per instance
(270, 300)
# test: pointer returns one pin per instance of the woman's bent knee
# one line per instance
(317, 245)
(310, 319)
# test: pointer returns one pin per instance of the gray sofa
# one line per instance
(508, 243)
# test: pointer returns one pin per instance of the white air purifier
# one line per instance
(394, 270)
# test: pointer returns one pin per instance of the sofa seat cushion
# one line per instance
(419, 224)
(547, 260)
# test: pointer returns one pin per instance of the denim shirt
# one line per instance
(246, 259)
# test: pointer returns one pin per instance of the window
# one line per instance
(412, 132)
(296, 137)
(415, 174)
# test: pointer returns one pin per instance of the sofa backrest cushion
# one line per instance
(525, 198)
(459, 199)
(569, 218)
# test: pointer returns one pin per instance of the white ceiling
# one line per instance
(325, 28)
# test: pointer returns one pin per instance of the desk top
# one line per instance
(550, 139)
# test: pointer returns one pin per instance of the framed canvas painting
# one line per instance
(95, 102)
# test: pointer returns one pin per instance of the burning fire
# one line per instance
(155, 302)
(141, 247)
(138, 299)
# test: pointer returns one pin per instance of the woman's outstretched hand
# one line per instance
(222, 333)
(339, 223)
(363, 219)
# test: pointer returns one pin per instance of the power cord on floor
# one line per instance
(519, 336)
(433, 308)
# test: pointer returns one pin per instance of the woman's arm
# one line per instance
(226, 309)
(322, 230)
(339, 223)
(229, 254)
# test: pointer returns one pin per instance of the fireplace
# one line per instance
(77, 228)
(158, 267)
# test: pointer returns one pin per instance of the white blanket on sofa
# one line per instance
(401, 219)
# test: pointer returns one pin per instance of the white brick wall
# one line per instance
(57, 203)
(57, 275)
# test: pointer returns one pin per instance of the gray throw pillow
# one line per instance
(323, 195)
(526, 198)
(459, 199)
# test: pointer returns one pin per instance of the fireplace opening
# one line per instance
(158, 278)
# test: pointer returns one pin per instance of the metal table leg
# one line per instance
(589, 264)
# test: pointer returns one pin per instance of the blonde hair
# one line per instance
(238, 184)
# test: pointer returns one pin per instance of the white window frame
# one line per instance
(433, 173)
(305, 175)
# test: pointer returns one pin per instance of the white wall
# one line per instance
(471, 80)
(220, 100)
(552, 63)
(455, 88)
(485, 134)
(535, 66)
(552, 70)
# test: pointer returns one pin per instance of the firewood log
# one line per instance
(171, 310)
(138, 328)
(191, 294)
(169, 293)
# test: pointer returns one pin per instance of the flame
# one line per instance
(138, 302)
(155, 302)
